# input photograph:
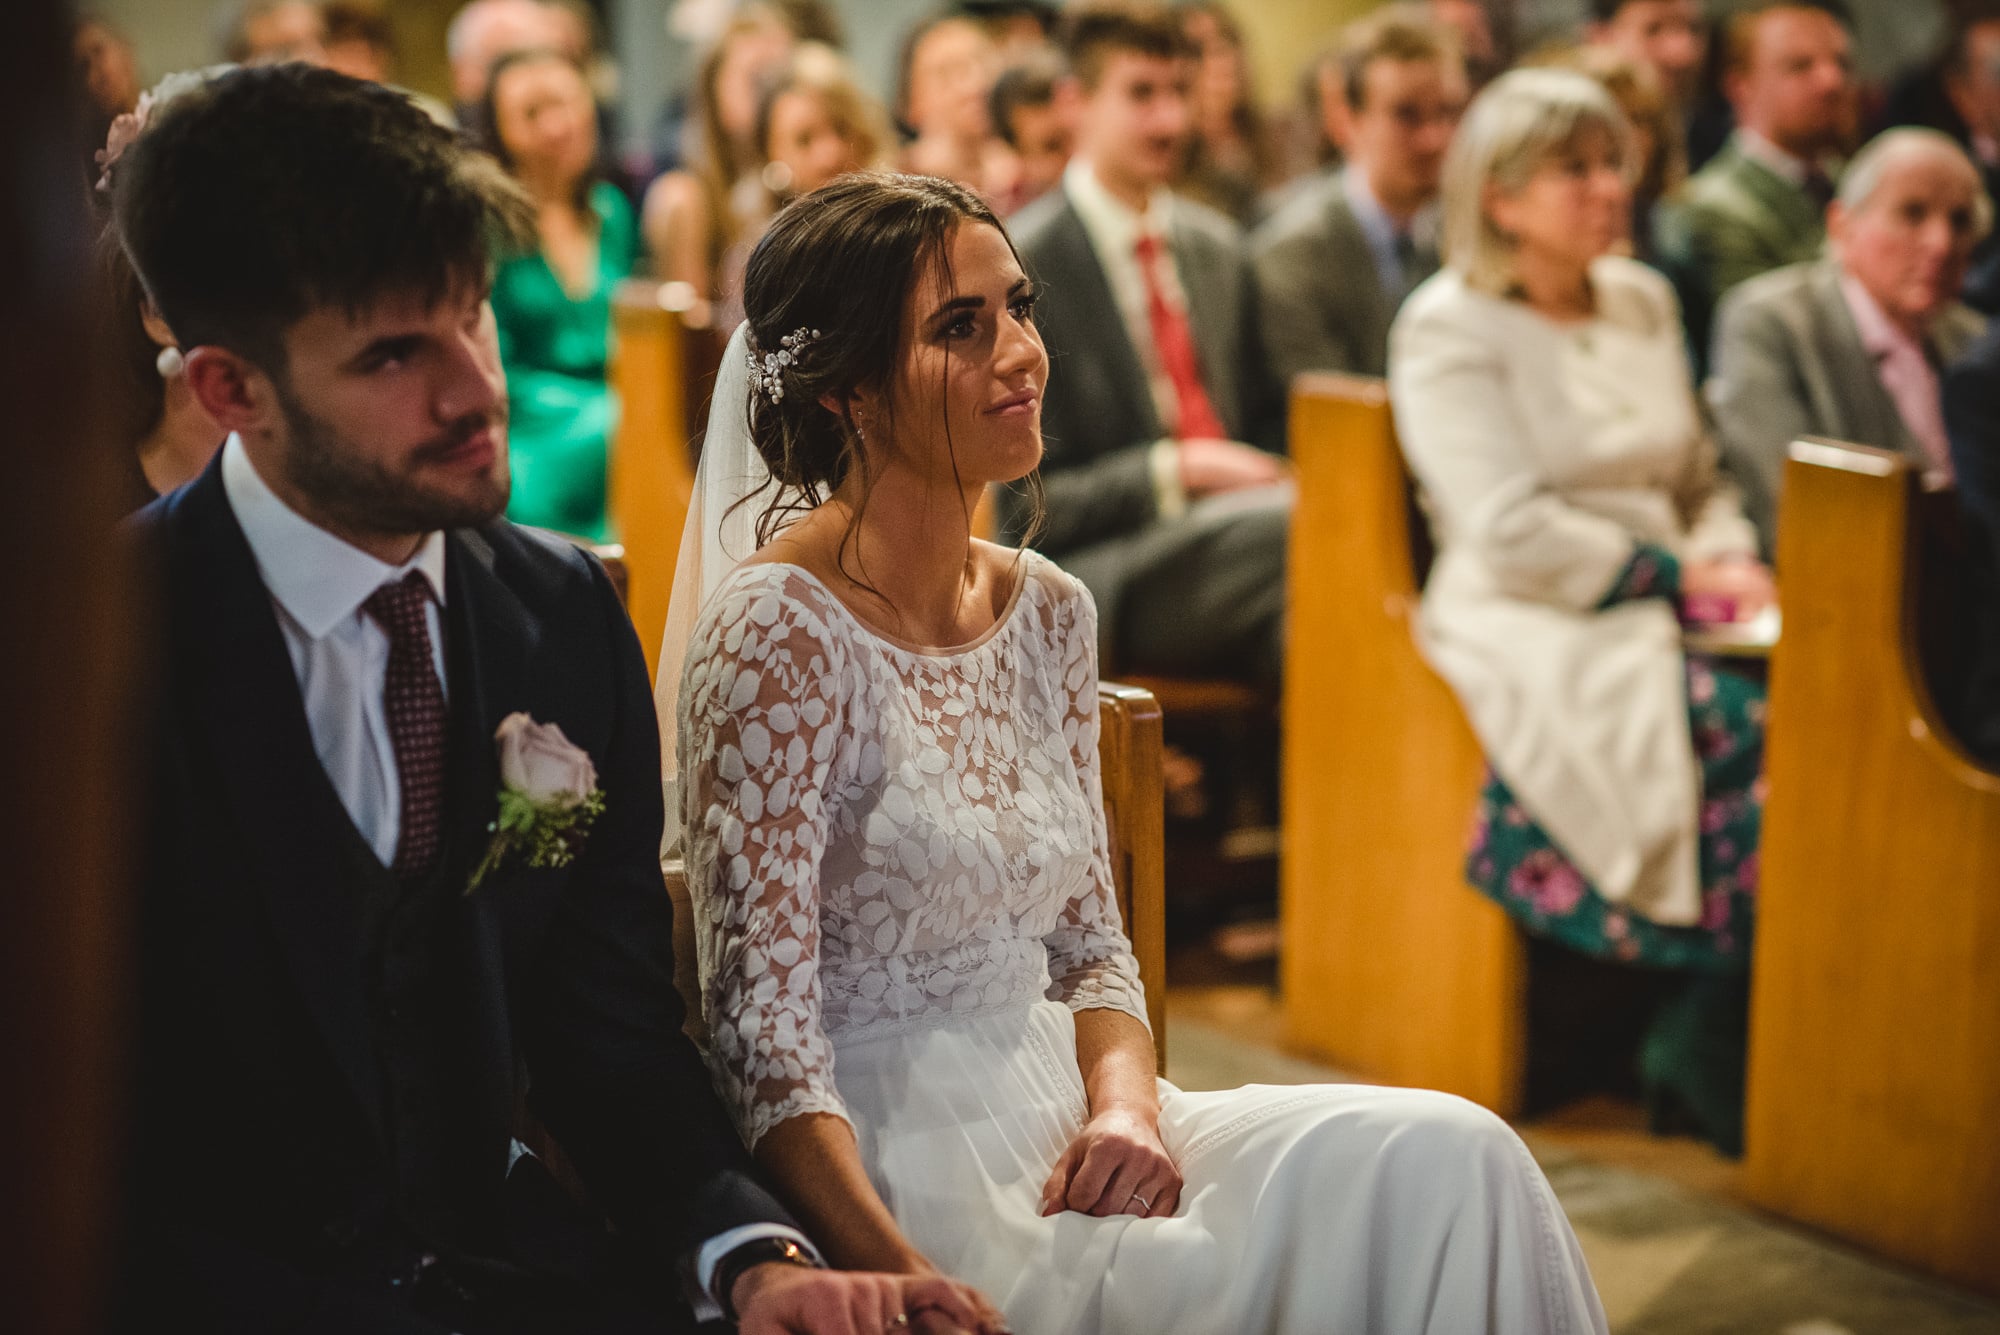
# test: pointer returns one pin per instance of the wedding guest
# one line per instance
(1033, 112)
(1543, 401)
(815, 122)
(1850, 346)
(552, 303)
(170, 435)
(691, 217)
(1473, 25)
(1335, 262)
(485, 30)
(1659, 150)
(1667, 37)
(1230, 160)
(270, 31)
(1149, 307)
(813, 21)
(1972, 84)
(167, 436)
(361, 43)
(360, 40)
(928, 1024)
(1972, 420)
(949, 63)
(351, 989)
(107, 72)
(1761, 203)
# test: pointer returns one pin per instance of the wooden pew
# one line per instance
(1129, 748)
(661, 370)
(1874, 1082)
(1389, 964)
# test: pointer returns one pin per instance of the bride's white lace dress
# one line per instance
(902, 893)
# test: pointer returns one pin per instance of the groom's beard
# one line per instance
(368, 496)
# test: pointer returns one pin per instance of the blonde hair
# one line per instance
(1519, 123)
(1637, 91)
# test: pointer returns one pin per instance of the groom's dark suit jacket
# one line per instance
(333, 1065)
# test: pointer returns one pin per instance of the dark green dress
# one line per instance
(556, 348)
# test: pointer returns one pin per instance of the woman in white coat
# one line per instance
(1543, 399)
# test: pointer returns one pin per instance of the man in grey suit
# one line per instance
(1154, 498)
(1336, 261)
(1851, 346)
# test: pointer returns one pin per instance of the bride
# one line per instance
(923, 1011)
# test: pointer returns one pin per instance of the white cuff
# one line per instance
(706, 1301)
(1169, 492)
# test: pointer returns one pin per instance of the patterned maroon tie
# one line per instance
(415, 702)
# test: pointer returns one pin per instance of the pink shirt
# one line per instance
(1906, 373)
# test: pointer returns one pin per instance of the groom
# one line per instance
(342, 1042)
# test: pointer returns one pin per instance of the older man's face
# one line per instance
(1909, 241)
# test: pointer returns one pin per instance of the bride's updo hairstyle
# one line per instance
(840, 265)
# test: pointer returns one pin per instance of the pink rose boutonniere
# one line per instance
(548, 797)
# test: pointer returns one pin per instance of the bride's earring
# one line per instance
(169, 363)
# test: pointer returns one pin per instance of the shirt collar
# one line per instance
(1785, 166)
(1880, 336)
(1375, 221)
(1112, 224)
(317, 578)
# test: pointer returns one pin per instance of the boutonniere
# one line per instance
(548, 797)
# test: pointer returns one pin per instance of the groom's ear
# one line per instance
(230, 387)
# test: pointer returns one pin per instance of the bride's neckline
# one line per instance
(875, 632)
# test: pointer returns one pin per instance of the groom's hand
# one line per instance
(778, 1299)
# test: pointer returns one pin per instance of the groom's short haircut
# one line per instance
(271, 192)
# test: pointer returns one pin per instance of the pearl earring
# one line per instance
(169, 363)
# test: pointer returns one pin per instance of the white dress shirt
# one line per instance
(1114, 230)
(340, 654)
(1787, 167)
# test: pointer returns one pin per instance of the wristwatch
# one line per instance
(756, 1252)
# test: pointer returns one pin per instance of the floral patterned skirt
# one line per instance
(1514, 862)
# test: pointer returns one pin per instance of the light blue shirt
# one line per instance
(1380, 231)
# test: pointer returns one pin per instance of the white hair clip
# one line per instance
(767, 369)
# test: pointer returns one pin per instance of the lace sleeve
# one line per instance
(760, 724)
(1091, 965)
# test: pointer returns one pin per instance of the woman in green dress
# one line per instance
(553, 304)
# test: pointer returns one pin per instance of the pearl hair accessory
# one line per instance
(767, 369)
(169, 363)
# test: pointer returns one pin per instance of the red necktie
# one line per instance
(415, 702)
(1174, 342)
